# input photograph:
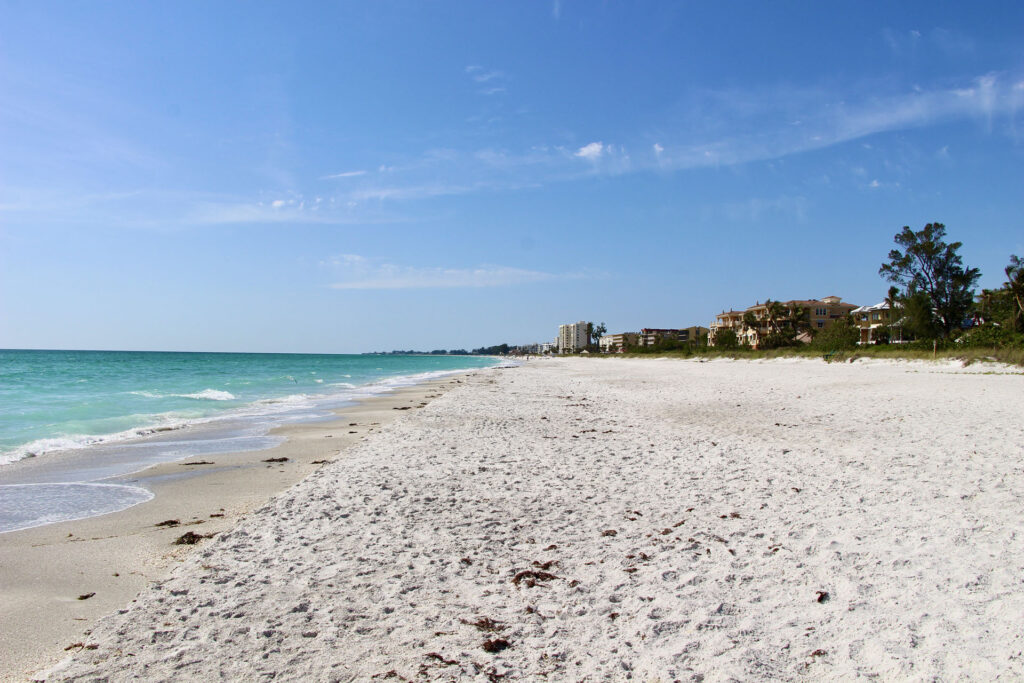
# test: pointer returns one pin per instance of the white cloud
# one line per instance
(658, 149)
(592, 151)
(362, 274)
(874, 183)
(344, 174)
(278, 203)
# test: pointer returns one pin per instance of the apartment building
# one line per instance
(616, 343)
(650, 336)
(757, 321)
(572, 337)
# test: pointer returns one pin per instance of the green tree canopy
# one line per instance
(930, 266)
(725, 338)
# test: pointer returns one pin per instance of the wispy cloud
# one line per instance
(407, 192)
(591, 151)
(362, 273)
(344, 174)
(492, 81)
(760, 125)
(482, 75)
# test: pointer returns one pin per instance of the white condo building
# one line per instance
(572, 337)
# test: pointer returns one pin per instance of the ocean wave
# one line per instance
(209, 395)
(204, 395)
(147, 394)
(75, 441)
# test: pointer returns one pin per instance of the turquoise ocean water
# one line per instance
(74, 424)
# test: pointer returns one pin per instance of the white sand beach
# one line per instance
(605, 519)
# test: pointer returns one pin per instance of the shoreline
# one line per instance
(44, 569)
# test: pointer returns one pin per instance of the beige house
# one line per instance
(758, 321)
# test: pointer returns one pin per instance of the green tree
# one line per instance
(930, 266)
(725, 338)
(919, 320)
(841, 334)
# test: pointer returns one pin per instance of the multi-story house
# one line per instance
(870, 318)
(572, 337)
(760, 320)
(731, 320)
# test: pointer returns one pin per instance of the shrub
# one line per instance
(842, 334)
(779, 340)
(992, 336)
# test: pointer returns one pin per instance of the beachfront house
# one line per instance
(873, 321)
(573, 337)
(754, 323)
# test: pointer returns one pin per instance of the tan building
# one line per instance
(616, 343)
(758, 321)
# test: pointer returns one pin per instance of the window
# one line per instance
(821, 323)
(820, 311)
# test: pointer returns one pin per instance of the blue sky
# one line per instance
(350, 177)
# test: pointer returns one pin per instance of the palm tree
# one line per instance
(749, 323)
(773, 311)
(798, 317)
(892, 300)
(1015, 286)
